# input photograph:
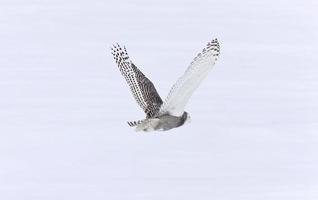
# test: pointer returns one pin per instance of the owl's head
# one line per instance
(186, 117)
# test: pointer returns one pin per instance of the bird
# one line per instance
(168, 114)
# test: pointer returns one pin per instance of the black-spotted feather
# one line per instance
(142, 88)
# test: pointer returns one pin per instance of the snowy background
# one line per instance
(64, 104)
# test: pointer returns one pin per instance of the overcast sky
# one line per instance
(64, 104)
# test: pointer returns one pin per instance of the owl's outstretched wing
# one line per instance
(182, 90)
(142, 88)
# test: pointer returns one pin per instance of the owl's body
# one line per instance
(170, 113)
(161, 123)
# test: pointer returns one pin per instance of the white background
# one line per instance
(64, 104)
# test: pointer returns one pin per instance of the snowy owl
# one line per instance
(169, 114)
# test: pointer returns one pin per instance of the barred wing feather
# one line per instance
(183, 89)
(142, 88)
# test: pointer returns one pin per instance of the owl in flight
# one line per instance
(170, 113)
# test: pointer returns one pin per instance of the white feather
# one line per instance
(183, 89)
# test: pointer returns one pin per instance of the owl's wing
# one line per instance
(142, 88)
(182, 90)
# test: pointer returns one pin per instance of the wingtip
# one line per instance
(116, 46)
(215, 40)
(112, 48)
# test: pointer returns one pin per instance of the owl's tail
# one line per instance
(134, 123)
(145, 125)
